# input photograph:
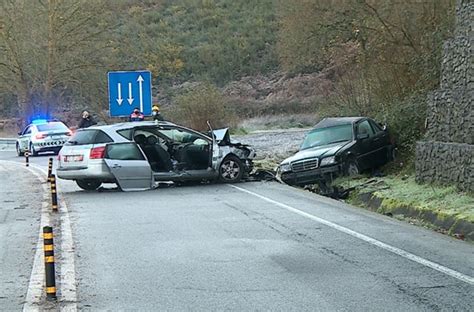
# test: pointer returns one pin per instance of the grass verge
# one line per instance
(438, 207)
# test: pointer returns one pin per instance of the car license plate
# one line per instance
(73, 158)
(55, 137)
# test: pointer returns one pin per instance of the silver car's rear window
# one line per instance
(52, 126)
(91, 136)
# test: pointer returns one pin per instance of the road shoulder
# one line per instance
(20, 209)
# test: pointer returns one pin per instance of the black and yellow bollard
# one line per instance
(50, 168)
(49, 263)
(27, 159)
(54, 193)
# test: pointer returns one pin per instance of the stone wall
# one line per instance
(446, 163)
(447, 154)
(450, 116)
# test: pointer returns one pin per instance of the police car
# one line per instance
(42, 136)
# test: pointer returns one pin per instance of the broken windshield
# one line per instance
(325, 136)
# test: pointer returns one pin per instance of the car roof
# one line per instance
(41, 123)
(113, 128)
(131, 124)
(336, 121)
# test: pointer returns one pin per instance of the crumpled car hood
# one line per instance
(317, 151)
(222, 135)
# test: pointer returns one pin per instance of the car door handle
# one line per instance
(116, 166)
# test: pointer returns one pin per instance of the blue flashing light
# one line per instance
(39, 121)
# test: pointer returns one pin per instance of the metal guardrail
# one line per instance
(7, 143)
(8, 140)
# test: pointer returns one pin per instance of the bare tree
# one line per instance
(51, 51)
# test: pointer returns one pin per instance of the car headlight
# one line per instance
(285, 167)
(328, 161)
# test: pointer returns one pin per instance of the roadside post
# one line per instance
(54, 193)
(50, 168)
(27, 159)
(49, 263)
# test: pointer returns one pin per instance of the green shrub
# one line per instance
(405, 120)
(200, 104)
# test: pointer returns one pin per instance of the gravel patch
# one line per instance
(272, 146)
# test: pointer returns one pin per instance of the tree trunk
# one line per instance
(24, 106)
(51, 53)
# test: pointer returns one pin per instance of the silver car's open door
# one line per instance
(129, 166)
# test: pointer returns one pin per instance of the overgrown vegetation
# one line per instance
(52, 55)
(376, 58)
(384, 56)
(200, 104)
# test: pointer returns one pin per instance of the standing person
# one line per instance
(86, 120)
(136, 115)
(155, 112)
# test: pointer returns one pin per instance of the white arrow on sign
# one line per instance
(140, 91)
(130, 99)
(119, 92)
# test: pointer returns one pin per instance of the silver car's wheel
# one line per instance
(18, 150)
(88, 185)
(231, 170)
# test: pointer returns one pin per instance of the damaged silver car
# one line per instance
(136, 156)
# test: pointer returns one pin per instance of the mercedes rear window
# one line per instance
(84, 137)
(50, 126)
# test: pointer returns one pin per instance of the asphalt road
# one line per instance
(255, 246)
(19, 228)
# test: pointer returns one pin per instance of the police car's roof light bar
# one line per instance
(39, 121)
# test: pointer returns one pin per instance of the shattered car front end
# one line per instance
(307, 167)
(228, 147)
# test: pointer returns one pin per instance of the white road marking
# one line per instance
(405, 254)
(68, 267)
(68, 294)
(67, 287)
(37, 277)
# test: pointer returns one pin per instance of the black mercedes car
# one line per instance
(335, 146)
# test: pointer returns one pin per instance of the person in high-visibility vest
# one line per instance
(155, 112)
(136, 115)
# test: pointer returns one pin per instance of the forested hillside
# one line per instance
(230, 59)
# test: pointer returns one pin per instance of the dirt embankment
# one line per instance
(280, 87)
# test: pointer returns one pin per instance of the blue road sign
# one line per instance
(128, 90)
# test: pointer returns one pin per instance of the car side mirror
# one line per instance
(19, 133)
(384, 127)
(363, 136)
